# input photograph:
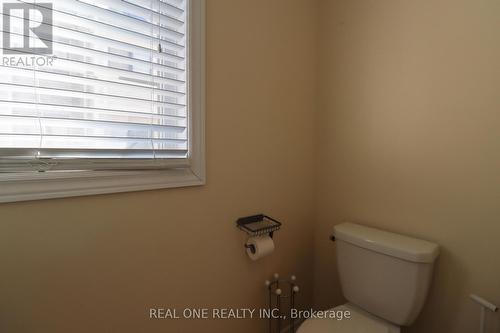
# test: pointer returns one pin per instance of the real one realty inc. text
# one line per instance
(241, 313)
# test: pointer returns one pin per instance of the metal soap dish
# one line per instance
(258, 225)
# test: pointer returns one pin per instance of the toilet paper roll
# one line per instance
(263, 246)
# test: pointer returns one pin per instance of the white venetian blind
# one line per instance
(114, 98)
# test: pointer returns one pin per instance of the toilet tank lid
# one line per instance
(395, 245)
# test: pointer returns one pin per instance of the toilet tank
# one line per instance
(384, 273)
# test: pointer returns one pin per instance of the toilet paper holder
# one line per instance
(258, 225)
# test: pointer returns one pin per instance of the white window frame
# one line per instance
(47, 185)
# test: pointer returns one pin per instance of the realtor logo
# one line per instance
(27, 28)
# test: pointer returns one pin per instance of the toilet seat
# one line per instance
(359, 322)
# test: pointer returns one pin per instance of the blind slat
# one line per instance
(158, 74)
(26, 155)
(91, 128)
(51, 92)
(102, 144)
(114, 97)
(110, 33)
(163, 4)
(20, 106)
(99, 14)
(73, 82)
(69, 15)
(170, 61)
(50, 112)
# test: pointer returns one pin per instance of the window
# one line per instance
(100, 96)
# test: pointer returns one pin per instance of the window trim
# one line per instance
(27, 186)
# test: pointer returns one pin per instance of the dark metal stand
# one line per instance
(281, 292)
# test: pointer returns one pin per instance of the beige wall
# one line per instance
(410, 141)
(96, 264)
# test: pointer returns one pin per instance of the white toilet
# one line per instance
(384, 276)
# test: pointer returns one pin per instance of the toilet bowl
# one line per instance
(359, 321)
(384, 276)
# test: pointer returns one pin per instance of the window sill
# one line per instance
(19, 187)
